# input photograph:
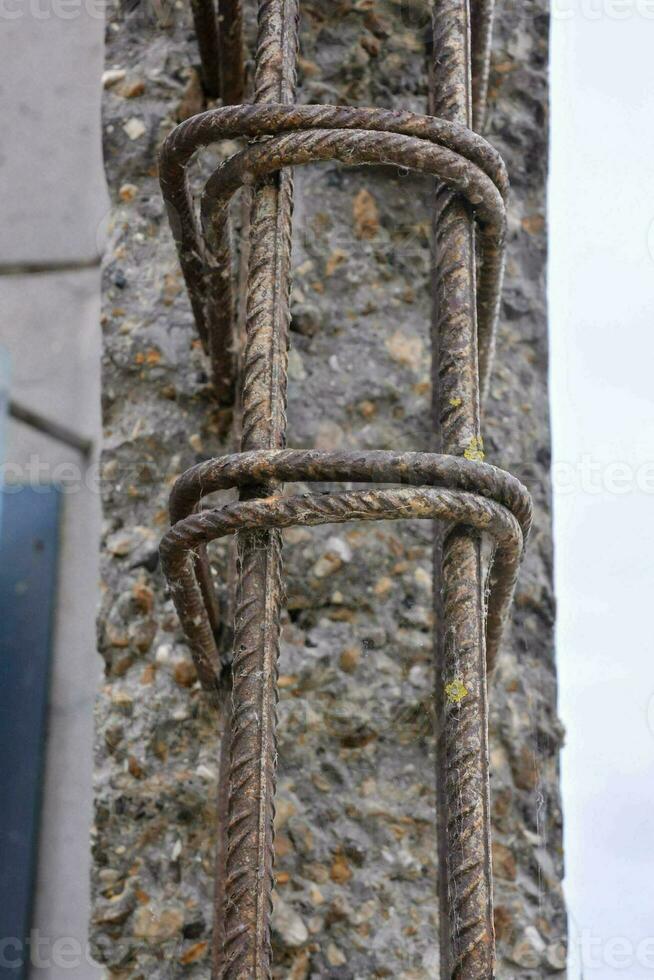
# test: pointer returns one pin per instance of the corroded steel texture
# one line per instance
(458, 475)
(220, 43)
(460, 158)
(259, 593)
(467, 497)
(468, 945)
(230, 42)
(481, 31)
(206, 31)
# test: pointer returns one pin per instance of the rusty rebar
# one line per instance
(468, 944)
(259, 594)
(456, 477)
(206, 31)
(219, 34)
(462, 160)
(481, 35)
(230, 51)
(453, 486)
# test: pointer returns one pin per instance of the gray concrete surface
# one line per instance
(51, 213)
(356, 855)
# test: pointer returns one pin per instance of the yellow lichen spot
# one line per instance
(455, 402)
(455, 691)
(475, 450)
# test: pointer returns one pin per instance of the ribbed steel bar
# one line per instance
(468, 943)
(457, 477)
(259, 593)
(310, 510)
(206, 31)
(467, 497)
(230, 51)
(224, 704)
(220, 43)
(363, 147)
(481, 35)
(462, 160)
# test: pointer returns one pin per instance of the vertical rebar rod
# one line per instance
(467, 935)
(482, 14)
(206, 32)
(220, 42)
(249, 858)
(222, 807)
(230, 51)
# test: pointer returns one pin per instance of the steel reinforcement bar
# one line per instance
(219, 31)
(453, 486)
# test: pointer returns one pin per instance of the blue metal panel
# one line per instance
(5, 365)
(28, 563)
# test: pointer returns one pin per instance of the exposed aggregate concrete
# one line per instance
(356, 855)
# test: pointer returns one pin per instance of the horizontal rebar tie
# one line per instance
(447, 487)
(470, 496)
(460, 158)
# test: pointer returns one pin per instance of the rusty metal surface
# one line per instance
(461, 158)
(220, 43)
(475, 511)
(206, 31)
(481, 31)
(468, 945)
(465, 496)
(467, 486)
(230, 51)
(259, 592)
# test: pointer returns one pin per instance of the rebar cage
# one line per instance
(467, 497)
